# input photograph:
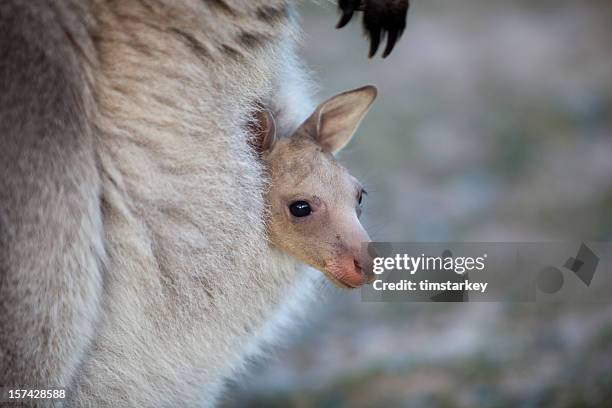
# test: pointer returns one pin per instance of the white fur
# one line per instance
(192, 287)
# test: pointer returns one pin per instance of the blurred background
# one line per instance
(493, 123)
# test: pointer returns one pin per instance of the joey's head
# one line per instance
(314, 204)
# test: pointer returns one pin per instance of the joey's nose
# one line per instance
(363, 262)
(363, 259)
(350, 263)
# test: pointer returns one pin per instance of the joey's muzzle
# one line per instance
(350, 267)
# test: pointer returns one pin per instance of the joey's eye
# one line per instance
(300, 209)
(361, 194)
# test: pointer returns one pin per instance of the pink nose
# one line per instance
(359, 249)
(349, 266)
(363, 262)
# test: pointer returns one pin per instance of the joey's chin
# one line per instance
(345, 273)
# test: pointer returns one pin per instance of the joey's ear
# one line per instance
(264, 130)
(334, 121)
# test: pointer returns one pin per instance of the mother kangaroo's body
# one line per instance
(134, 267)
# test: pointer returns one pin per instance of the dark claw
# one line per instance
(375, 33)
(380, 18)
(391, 40)
(347, 7)
(346, 17)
